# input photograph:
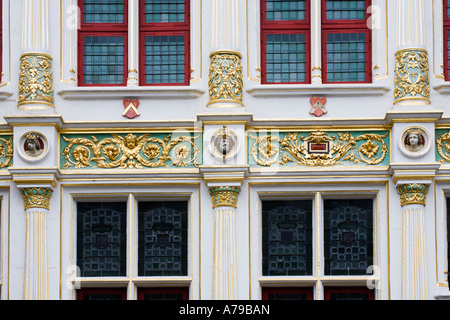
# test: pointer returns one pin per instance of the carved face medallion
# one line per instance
(223, 143)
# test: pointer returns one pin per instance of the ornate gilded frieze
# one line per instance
(6, 151)
(36, 79)
(412, 80)
(318, 148)
(225, 77)
(443, 145)
(413, 193)
(36, 197)
(130, 151)
(224, 196)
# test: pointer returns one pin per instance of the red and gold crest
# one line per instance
(131, 110)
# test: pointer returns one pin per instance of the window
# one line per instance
(102, 294)
(103, 239)
(346, 41)
(163, 42)
(289, 234)
(286, 41)
(446, 24)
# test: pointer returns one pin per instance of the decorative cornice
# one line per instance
(413, 193)
(36, 197)
(224, 196)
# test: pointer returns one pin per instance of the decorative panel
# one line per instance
(162, 238)
(348, 236)
(6, 151)
(287, 238)
(130, 151)
(443, 145)
(101, 239)
(283, 149)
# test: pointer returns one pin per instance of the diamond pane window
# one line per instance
(279, 10)
(348, 236)
(285, 58)
(103, 11)
(346, 10)
(162, 238)
(157, 11)
(346, 57)
(101, 238)
(287, 237)
(103, 59)
(164, 59)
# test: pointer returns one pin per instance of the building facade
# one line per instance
(224, 149)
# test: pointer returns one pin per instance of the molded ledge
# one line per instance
(137, 92)
(323, 89)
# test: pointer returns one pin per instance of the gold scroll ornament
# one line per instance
(267, 150)
(130, 152)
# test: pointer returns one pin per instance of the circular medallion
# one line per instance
(224, 143)
(33, 146)
(414, 142)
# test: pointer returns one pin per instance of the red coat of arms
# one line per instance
(131, 110)
(318, 106)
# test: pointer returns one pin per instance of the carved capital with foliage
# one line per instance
(224, 196)
(412, 193)
(36, 197)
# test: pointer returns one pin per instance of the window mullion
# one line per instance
(315, 43)
(318, 243)
(133, 43)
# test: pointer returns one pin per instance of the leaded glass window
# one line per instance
(164, 294)
(278, 10)
(285, 58)
(346, 57)
(103, 59)
(103, 11)
(287, 237)
(101, 238)
(349, 293)
(162, 238)
(348, 236)
(346, 10)
(157, 11)
(164, 59)
(287, 293)
(102, 294)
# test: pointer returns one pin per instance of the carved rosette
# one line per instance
(224, 196)
(412, 80)
(225, 77)
(36, 79)
(413, 193)
(36, 197)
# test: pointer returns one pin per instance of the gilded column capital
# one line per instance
(226, 196)
(36, 79)
(412, 81)
(36, 197)
(413, 193)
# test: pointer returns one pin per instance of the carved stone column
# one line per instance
(35, 71)
(225, 71)
(412, 83)
(224, 201)
(414, 262)
(36, 205)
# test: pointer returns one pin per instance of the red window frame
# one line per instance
(330, 290)
(164, 28)
(102, 29)
(82, 292)
(446, 29)
(265, 291)
(346, 26)
(183, 290)
(286, 27)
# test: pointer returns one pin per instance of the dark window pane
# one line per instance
(157, 11)
(348, 236)
(346, 10)
(348, 293)
(164, 59)
(286, 293)
(103, 59)
(101, 238)
(103, 11)
(287, 237)
(101, 294)
(285, 58)
(162, 238)
(346, 52)
(285, 10)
